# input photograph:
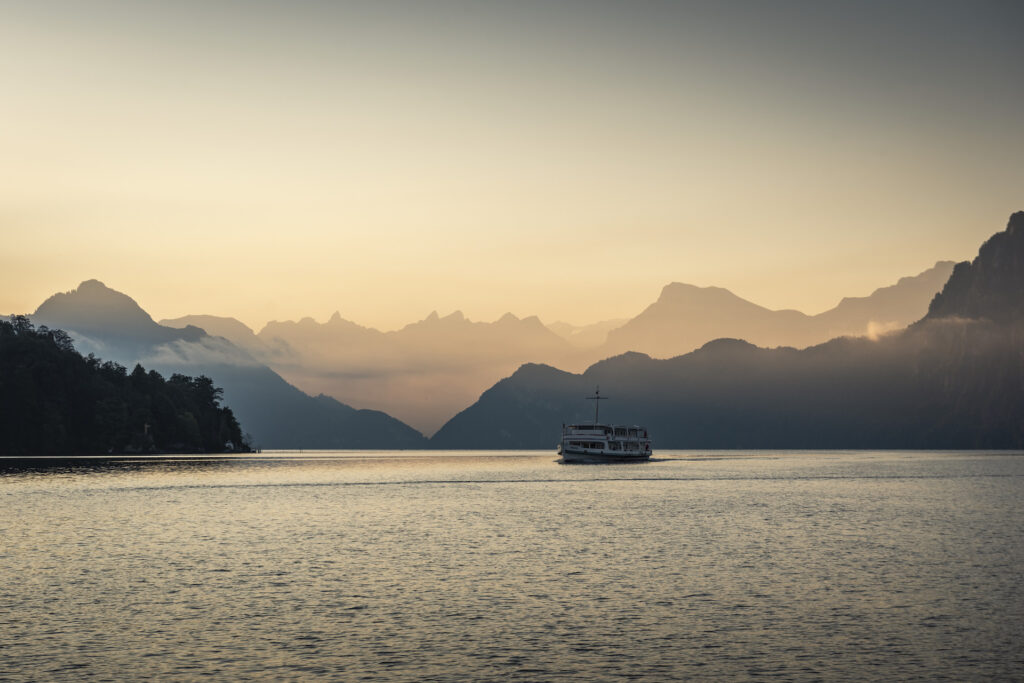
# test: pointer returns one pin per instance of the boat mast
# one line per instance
(597, 398)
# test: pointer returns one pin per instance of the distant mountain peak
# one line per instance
(93, 310)
(989, 287)
(532, 370)
(92, 304)
(92, 285)
(235, 331)
(339, 323)
(726, 345)
(674, 290)
(1016, 224)
(681, 293)
(940, 272)
(453, 317)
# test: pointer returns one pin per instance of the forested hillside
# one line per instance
(54, 401)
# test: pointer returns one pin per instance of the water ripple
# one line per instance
(847, 566)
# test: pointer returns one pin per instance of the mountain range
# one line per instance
(422, 373)
(114, 327)
(686, 317)
(293, 383)
(429, 370)
(954, 379)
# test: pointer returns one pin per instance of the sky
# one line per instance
(271, 160)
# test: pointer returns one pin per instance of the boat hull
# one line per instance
(599, 457)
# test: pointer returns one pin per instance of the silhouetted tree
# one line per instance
(54, 401)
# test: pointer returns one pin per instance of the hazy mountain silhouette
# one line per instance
(109, 322)
(278, 415)
(428, 370)
(282, 416)
(685, 317)
(423, 373)
(955, 379)
(887, 308)
(235, 331)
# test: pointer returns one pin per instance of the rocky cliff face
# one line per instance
(992, 286)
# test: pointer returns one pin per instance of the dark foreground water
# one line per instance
(487, 566)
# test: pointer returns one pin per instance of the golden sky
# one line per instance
(272, 160)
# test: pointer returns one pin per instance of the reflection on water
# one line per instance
(477, 566)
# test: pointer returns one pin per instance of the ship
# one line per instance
(596, 442)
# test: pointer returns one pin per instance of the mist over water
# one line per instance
(480, 566)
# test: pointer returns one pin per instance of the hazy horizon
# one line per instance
(431, 369)
(275, 161)
(256, 326)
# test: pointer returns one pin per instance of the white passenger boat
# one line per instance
(595, 442)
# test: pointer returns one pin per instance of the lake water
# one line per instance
(486, 566)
